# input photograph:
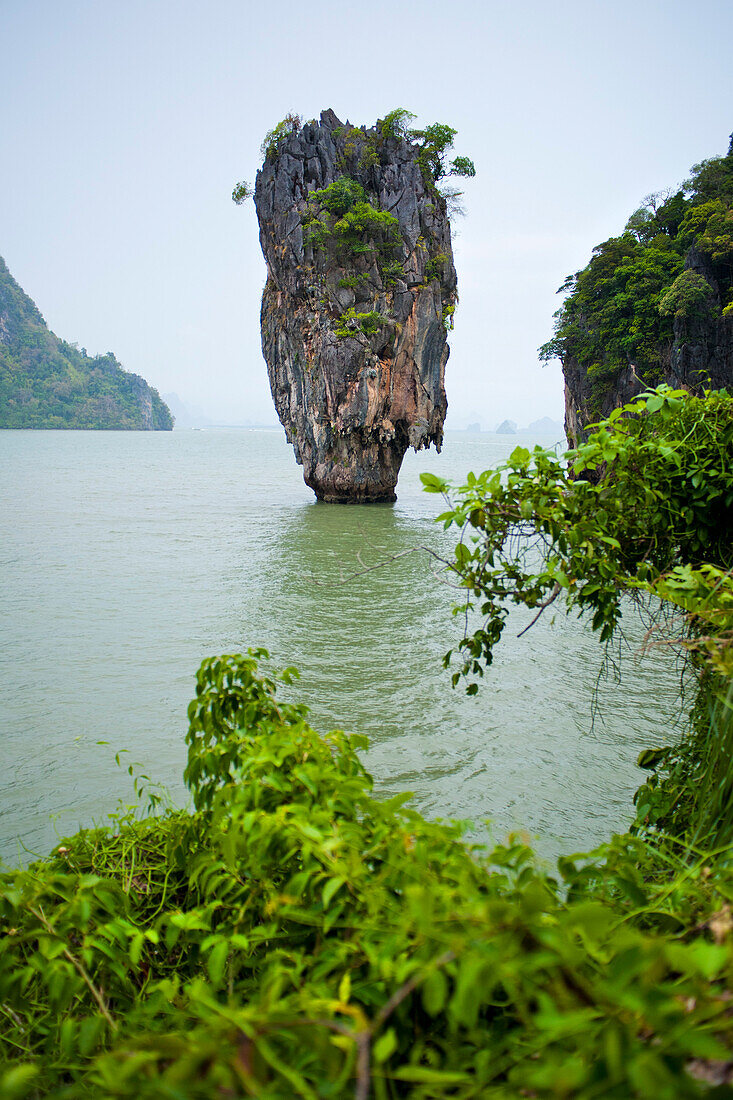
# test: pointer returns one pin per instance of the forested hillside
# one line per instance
(47, 383)
(654, 304)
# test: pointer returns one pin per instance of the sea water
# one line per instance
(126, 558)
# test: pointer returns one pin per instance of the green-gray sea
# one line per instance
(125, 558)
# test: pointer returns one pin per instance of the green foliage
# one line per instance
(659, 496)
(435, 265)
(392, 272)
(717, 240)
(340, 196)
(295, 937)
(47, 383)
(690, 790)
(341, 215)
(363, 228)
(712, 178)
(242, 191)
(353, 282)
(350, 323)
(274, 138)
(612, 314)
(396, 123)
(435, 141)
(689, 296)
(369, 155)
(619, 309)
(462, 166)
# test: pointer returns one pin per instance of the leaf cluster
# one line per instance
(351, 322)
(274, 138)
(341, 215)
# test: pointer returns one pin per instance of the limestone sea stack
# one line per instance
(360, 291)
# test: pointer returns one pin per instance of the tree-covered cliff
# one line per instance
(654, 304)
(47, 383)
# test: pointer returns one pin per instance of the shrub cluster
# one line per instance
(293, 936)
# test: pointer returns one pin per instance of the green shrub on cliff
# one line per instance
(341, 215)
(351, 322)
(274, 138)
(690, 296)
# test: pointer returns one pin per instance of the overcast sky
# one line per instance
(125, 125)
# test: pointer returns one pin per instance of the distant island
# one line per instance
(507, 427)
(544, 426)
(47, 383)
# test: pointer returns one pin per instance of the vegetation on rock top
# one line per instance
(349, 221)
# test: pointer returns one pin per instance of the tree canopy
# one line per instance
(617, 309)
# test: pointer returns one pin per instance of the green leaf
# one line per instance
(426, 1076)
(217, 961)
(17, 1082)
(385, 1045)
(433, 484)
(345, 988)
(462, 554)
(649, 758)
(435, 992)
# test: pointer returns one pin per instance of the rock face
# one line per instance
(360, 289)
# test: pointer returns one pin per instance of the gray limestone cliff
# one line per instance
(360, 290)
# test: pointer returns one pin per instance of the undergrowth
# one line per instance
(294, 936)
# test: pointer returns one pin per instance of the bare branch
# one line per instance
(380, 565)
(405, 990)
(546, 603)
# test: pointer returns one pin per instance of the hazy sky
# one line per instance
(126, 124)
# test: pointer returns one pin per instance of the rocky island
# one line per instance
(360, 292)
(654, 304)
(46, 382)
